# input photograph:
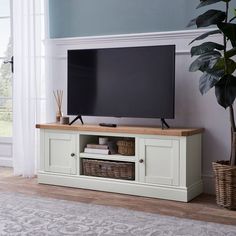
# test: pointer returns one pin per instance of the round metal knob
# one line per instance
(72, 154)
(141, 161)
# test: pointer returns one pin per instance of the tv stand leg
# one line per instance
(76, 118)
(164, 124)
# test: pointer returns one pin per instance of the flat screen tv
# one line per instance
(122, 82)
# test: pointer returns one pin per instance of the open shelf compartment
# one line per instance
(94, 139)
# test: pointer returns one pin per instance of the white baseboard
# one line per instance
(6, 162)
(208, 184)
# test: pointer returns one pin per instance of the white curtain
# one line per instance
(29, 83)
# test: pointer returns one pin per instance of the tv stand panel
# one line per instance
(167, 161)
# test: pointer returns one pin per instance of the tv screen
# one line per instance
(122, 82)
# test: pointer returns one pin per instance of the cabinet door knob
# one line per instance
(141, 161)
(72, 154)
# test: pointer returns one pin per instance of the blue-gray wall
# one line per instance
(71, 18)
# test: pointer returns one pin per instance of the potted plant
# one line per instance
(215, 61)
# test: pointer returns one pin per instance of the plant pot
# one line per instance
(225, 180)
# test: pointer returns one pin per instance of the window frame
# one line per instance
(8, 139)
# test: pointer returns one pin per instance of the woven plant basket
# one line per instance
(225, 177)
(126, 147)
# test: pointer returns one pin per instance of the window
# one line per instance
(5, 69)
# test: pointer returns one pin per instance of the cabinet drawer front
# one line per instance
(58, 150)
(160, 161)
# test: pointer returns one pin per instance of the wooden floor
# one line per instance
(201, 208)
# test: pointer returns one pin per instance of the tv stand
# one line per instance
(76, 118)
(166, 162)
(164, 124)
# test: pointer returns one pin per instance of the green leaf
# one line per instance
(208, 2)
(211, 17)
(208, 80)
(220, 65)
(205, 35)
(225, 90)
(229, 29)
(191, 23)
(231, 66)
(211, 76)
(205, 61)
(232, 19)
(206, 47)
(230, 53)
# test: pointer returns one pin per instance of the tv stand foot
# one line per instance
(164, 124)
(76, 118)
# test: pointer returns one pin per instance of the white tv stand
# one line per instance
(167, 162)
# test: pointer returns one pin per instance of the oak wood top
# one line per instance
(124, 129)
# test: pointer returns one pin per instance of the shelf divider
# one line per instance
(115, 157)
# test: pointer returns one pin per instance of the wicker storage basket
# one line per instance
(108, 169)
(126, 147)
(225, 176)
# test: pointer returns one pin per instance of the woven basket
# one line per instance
(108, 169)
(126, 147)
(225, 176)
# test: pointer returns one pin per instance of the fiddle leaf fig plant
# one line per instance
(216, 60)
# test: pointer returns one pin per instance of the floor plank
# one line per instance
(201, 208)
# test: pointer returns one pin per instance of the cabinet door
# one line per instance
(60, 152)
(159, 161)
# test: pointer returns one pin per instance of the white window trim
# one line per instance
(5, 17)
(4, 139)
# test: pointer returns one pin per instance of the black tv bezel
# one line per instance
(124, 116)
